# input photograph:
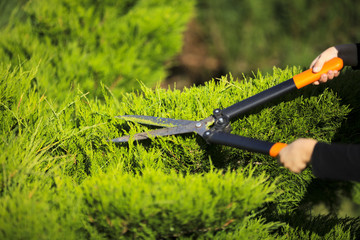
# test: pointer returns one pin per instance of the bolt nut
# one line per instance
(198, 125)
(217, 112)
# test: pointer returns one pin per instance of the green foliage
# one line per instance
(260, 34)
(41, 211)
(250, 229)
(157, 205)
(85, 43)
(321, 227)
(60, 177)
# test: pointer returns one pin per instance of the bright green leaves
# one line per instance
(159, 205)
(164, 187)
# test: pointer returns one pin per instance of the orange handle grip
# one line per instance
(305, 78)
(276, 148)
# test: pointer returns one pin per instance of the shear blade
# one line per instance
(181, 127)
(155, 121)
(158, 132)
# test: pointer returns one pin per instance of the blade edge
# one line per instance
(155, 121)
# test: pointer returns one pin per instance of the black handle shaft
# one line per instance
(240, 142)
(265, 96)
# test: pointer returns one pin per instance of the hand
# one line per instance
(318, 63)
(347, 52)
(297, 155)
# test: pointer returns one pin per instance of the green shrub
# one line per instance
(85, 43)
(320, 227)
(61, 178)
(42, 211)
(58, 168)
(159, 205)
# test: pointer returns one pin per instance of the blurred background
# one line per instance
(243, 36)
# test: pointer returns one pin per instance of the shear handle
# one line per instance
(298, 81)
(245, 143)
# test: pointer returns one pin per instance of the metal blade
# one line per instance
(156, 133)
(198, 127)
(155, 121)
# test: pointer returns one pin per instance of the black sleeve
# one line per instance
(336, 161)
(358, 57)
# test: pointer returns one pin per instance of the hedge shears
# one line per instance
(216, 128)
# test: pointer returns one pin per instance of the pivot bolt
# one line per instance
(217, 112)
(221, 120)
(198, 125)
(207, 133)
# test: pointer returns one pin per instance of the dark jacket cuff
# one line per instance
(358, 57)
(336, 161)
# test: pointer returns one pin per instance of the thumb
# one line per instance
(318, 65)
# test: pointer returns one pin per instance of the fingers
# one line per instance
(289, 160)
(329, 76)
(296, 169)
(319, 63)
(297, 155)
(316, 66)
(294, 165)
(325, 56)
(315, 61)
(325, 77)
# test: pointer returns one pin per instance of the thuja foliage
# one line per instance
(154, 204)
(88, 42)
(61, 178)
